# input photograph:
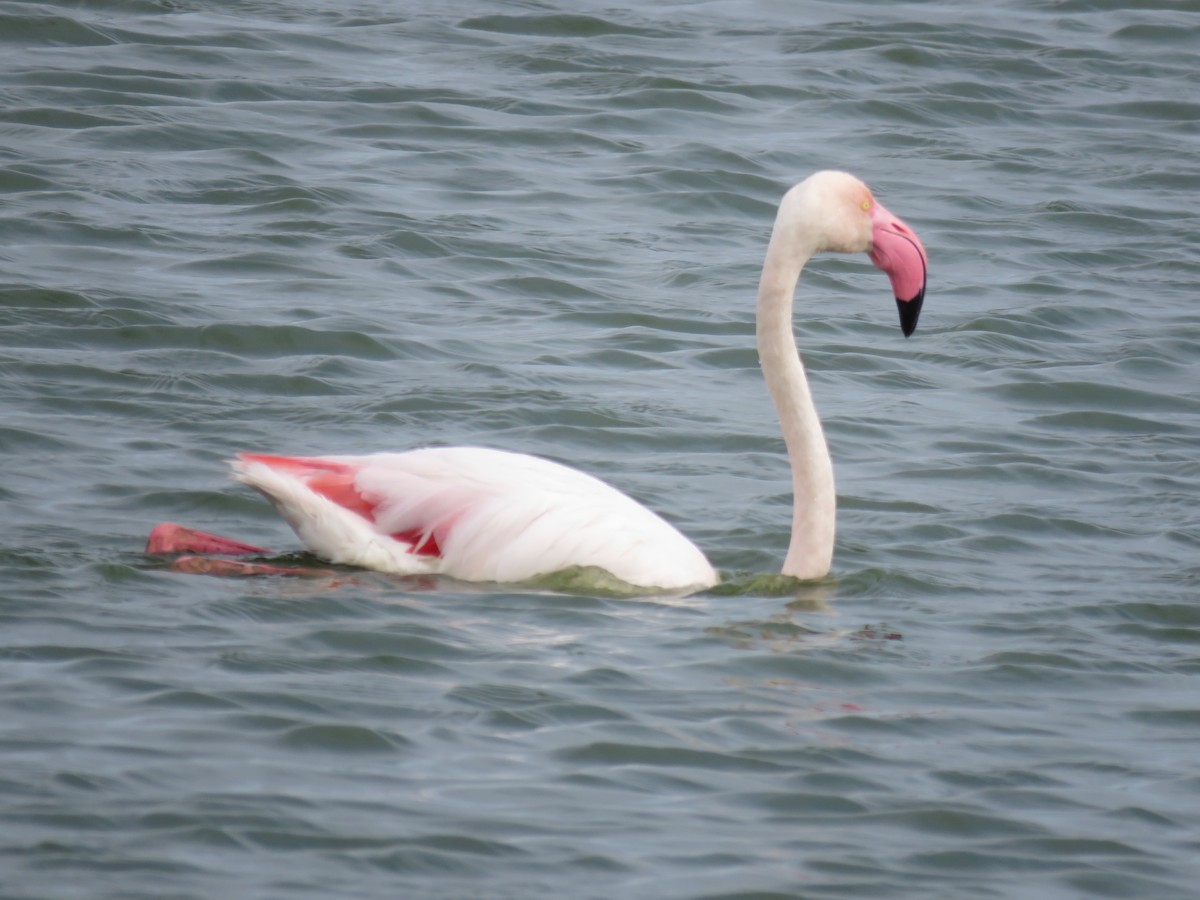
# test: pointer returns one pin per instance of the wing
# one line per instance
(472, 513)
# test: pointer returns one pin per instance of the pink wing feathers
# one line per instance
(338, 481)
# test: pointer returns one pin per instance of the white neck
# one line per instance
(814, 501)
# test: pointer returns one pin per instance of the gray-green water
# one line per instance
(316, 227)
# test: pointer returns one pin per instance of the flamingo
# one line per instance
(479, 514)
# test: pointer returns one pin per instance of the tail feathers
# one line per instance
(294, 464)
(332, 479)
(319, 500)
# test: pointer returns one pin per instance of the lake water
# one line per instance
(314, 227)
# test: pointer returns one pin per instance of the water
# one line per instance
(319, 227)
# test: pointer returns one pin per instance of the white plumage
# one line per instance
(472, 513)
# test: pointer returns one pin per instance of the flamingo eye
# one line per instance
(866, 205)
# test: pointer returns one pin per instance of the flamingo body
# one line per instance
(472, 513)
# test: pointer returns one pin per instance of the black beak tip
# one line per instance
(910, 311)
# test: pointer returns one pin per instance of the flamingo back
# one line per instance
(472, 513)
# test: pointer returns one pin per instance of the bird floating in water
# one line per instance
(487, 515)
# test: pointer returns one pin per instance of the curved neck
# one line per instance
(814, 501)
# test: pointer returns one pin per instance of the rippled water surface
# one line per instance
(322, 227)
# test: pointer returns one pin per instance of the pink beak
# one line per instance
(896, 250)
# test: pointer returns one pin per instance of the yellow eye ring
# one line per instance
(866, 206)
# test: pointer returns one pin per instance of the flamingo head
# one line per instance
(853, 221)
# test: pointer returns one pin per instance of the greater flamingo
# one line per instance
(489, 515)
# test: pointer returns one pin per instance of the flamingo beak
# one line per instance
(896, 250)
